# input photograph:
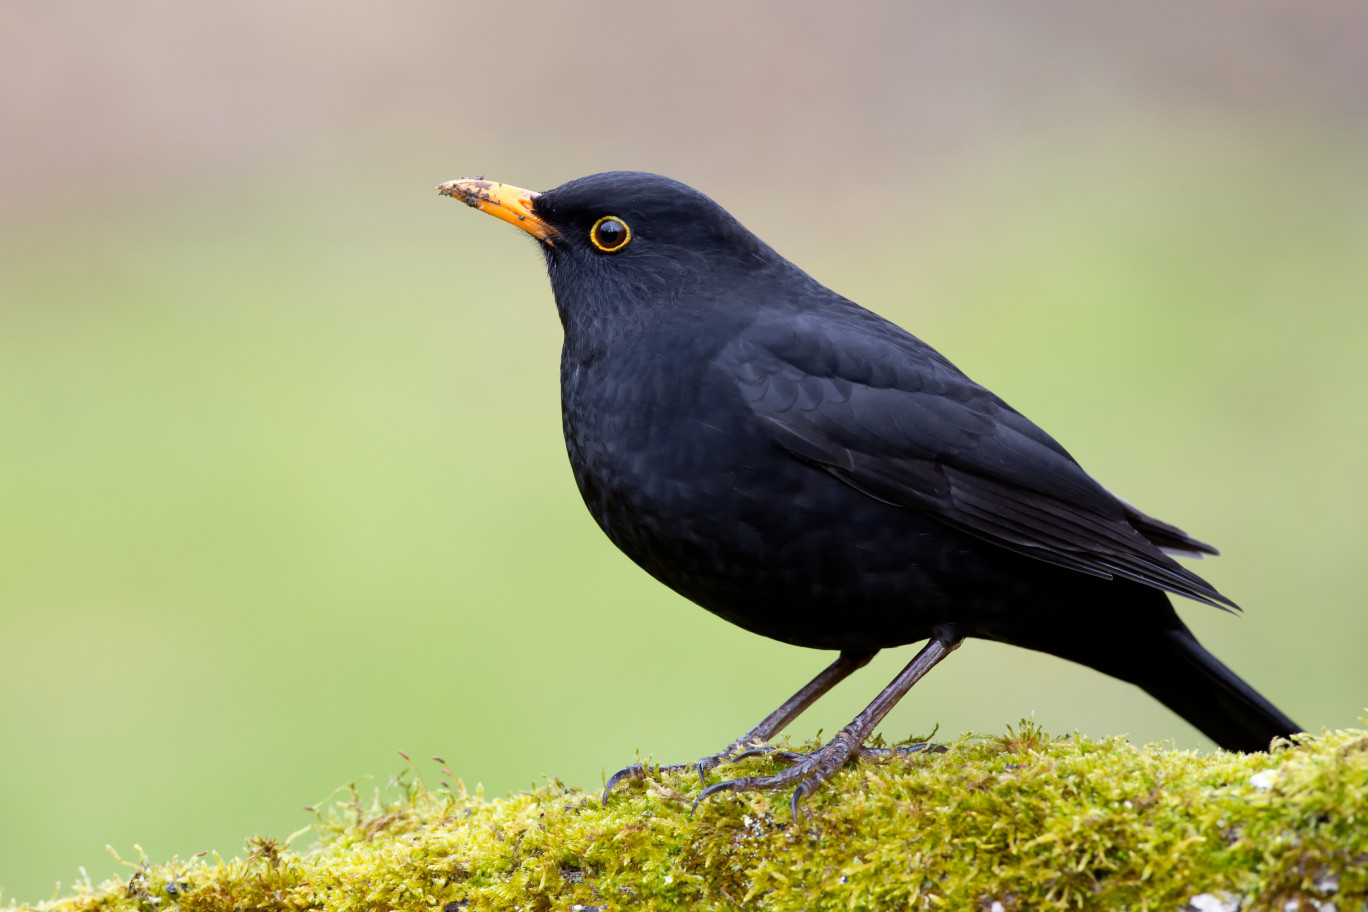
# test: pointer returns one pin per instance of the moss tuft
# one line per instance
(1021, 821)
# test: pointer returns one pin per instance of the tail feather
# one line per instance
(1170, 539)
(1141, 640)
(1192, 682)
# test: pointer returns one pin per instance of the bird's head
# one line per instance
(620, 244)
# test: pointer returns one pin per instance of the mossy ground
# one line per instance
(1023, 821)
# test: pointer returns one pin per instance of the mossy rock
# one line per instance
(1023, 821)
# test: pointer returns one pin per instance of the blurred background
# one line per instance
(282, 488)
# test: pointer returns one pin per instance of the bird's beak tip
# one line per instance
(466, 189)
(503, 201)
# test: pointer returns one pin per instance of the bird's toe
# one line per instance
(902, 750)
(807, 773)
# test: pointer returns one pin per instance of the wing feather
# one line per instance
(890, 416)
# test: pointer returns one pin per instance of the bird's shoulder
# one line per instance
(869, 386)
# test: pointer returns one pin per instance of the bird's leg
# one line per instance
(755, 741)
(815, 768)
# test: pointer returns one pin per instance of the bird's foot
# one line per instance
(738, 750)
(640, 771)
(810, 770)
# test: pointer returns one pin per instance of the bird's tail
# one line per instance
(1192, 682)
(1149, 646)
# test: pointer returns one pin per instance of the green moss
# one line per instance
(1022, 820)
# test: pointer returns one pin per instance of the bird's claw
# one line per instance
(635, 771)
(641, 771)
(737, 750)
(809, 771)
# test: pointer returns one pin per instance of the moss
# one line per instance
(1022, 821)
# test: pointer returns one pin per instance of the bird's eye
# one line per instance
(610, 234)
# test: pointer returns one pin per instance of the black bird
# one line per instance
(813, 473)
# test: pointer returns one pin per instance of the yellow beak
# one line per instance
(503, 201)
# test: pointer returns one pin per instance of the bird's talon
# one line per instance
(635, 771)
(639, 771)
(724, 786)
(805, 788)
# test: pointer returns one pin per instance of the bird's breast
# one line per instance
(655, 452)
(682, 477)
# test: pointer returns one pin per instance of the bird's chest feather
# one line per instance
(658, 453)
(681, 476)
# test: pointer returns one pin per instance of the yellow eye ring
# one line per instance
(610, 234)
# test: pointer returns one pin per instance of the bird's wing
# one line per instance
(890, 416)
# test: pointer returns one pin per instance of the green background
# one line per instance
(282, 488)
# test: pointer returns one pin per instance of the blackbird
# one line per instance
(813, 473)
